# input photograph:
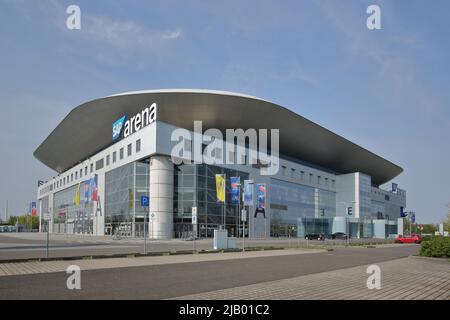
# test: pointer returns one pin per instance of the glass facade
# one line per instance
(69, 217)
(291, 201)
(308, 225)
(124, 187)
(195, 186)
(293, 209)
(365, 197)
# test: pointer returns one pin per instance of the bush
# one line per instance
(427, 238)
(438, 247)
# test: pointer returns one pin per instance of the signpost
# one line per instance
(194, 224)
(145, 203)
(194, 216)
(412, 220)
(349, 213)
(152, 216)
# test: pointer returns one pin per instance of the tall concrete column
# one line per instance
(161, 198)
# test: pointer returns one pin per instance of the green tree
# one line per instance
(12, 221)
(26, 220)
(429, 228)
(447, 221)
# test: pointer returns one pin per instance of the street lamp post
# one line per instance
(240, 217)
(322, 214)
(145, 232)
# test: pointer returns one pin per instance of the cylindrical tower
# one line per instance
(161, 198)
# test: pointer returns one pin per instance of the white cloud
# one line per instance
(172, 35)
(124, 35)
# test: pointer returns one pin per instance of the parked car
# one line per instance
(315, 236)
(339, 236)
(414, 238)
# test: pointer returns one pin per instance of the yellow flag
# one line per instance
(220, 187)
(131, 197)
(77, 195)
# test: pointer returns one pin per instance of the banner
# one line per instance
(87, 185)
(248, 192)
(235, 189)
(33, 209)
(220, 187)
(77, 195)
(261, 195)
(94, 188)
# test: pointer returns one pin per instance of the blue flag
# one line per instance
(235, 188)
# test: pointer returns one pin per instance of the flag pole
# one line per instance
(224, 201)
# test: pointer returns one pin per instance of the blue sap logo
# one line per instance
(117, 128)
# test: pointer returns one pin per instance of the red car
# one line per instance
(414, 238)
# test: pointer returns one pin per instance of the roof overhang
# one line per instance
(87, 129)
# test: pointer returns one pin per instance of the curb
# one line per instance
(431, 258)
(141, 255)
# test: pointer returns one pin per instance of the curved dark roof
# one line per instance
(87, 129)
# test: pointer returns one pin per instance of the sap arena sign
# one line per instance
(135, 123)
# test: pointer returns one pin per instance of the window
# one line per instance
(81, 173)
(86, 171)
(333, 183)
(114, 157)
(311, 178)
(121, 153)
(92, 167)
(99, 164)
(302, 175)
(292, 172)
(76, 175)
(319, 179)
(107, 160)
(138, 146)
(283, 170)
(71, 177)
(326, 182)
(129, 150)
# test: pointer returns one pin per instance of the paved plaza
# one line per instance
(401, 279)
(263, 275)
(37, 267)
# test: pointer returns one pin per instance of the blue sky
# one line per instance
(387, 90)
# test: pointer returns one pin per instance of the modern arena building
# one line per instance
(110, 152)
